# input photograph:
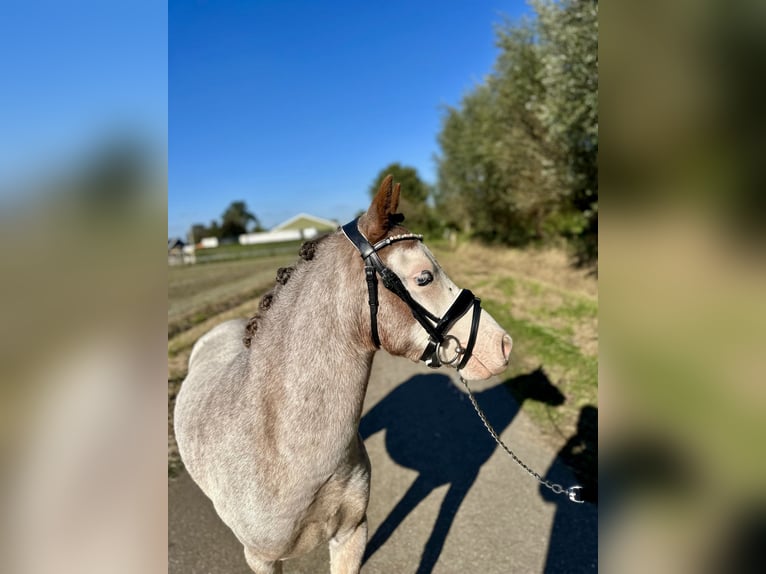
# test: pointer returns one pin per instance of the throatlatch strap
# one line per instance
(372, 292)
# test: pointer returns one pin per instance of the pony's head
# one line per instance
(420, 313)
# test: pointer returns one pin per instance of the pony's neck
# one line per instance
(311, 344)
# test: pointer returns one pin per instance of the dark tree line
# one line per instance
(235, 221)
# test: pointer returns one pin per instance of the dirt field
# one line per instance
(548, 307)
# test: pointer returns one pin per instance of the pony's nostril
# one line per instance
(507, 345)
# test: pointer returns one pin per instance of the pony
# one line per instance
(267, 419)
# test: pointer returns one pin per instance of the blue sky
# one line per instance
(76, 73)
(295, 106)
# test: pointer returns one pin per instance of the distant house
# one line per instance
(189, 252)
(175, 251)
(208, 242)
(180, 253)
(306, 221)
(302, 226)
(175, 244)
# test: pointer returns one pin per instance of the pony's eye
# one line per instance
(424, 278)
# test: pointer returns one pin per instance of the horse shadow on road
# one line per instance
(573, 542)
(432, 428)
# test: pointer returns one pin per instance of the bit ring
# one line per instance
(459, 350)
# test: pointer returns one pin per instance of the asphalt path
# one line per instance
(444, 499)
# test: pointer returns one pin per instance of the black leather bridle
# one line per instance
(437, 328)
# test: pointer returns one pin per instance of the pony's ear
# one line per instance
(377, 221)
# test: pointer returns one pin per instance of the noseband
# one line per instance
(437, 328)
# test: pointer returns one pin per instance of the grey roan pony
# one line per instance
(267, 419)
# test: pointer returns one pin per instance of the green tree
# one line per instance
(518, 155)
(414, 197)
(569, 107)
(235, 220)
(527, 158)
(214, 230)
(198, 231)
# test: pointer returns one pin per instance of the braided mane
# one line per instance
(306, 253)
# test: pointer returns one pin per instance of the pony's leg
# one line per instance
(260, 566)
(347, 550)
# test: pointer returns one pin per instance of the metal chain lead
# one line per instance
(573, 492)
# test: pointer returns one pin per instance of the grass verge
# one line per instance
(550, 310)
